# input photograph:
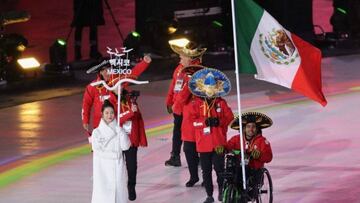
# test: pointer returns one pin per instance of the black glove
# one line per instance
(212, 122)
(169, 109)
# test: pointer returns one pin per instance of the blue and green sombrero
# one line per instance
(209, 83)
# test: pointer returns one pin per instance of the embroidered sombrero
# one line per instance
(188, 50)
(261, 120)
(209, 83)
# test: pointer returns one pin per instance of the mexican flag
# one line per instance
(273, 54)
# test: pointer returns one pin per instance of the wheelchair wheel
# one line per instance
(265, 189)
(230, 194)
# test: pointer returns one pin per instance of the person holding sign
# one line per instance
(131, 119)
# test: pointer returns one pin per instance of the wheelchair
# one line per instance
(259, 188)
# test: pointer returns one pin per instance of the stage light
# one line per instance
(171, 29)
(57, 52)
(28, 63)
(341, 10)
(135, 34)
(21, 47)
(217, 24)
(132, 41)
(61, 42)
(182, 42)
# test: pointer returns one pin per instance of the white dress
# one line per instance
(109, 169)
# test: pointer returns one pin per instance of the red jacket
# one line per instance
(171, 96)
(182, 98)
(177, 85)
(137, 135)
(95, 96)
(183, 105)
(217, 135)
(260, 143)
(187, 126)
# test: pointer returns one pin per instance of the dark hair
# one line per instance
(258, 127)
(106, 104)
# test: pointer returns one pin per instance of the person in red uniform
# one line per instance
(130, 116)
(132, 122)
(211, 116)
(94, 96)
(191, 54)
(184, 104)
(257, 147)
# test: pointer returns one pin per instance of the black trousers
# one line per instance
(176, 139)
(207, 161)
(93, 35)
(131, 165)
(192, 159)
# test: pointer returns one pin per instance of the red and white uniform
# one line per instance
(187, 127)
(94, 97)
(127, 114)
(183, 105)
(208, 138)
(260, 143)
(177, 85)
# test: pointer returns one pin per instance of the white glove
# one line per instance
(127, 127)
(133, 107)
(90, 139)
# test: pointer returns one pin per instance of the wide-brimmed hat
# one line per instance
(104, 64)
(209, 83)
(188, 50)
(261, 120)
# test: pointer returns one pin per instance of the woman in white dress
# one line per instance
(109, 169)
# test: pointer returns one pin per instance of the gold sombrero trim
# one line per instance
(262, 116)
(257, 114)
(188, 52)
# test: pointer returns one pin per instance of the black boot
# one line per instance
(220, 196)
(209, 199)
(173, 161)
(132, 193)
(191, 182)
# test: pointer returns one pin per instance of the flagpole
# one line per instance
(119, 104)
(238, 95)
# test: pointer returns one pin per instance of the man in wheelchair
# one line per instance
(257, 151)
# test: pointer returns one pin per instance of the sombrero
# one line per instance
(261, 120)
(188, 51)
(209, 83)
